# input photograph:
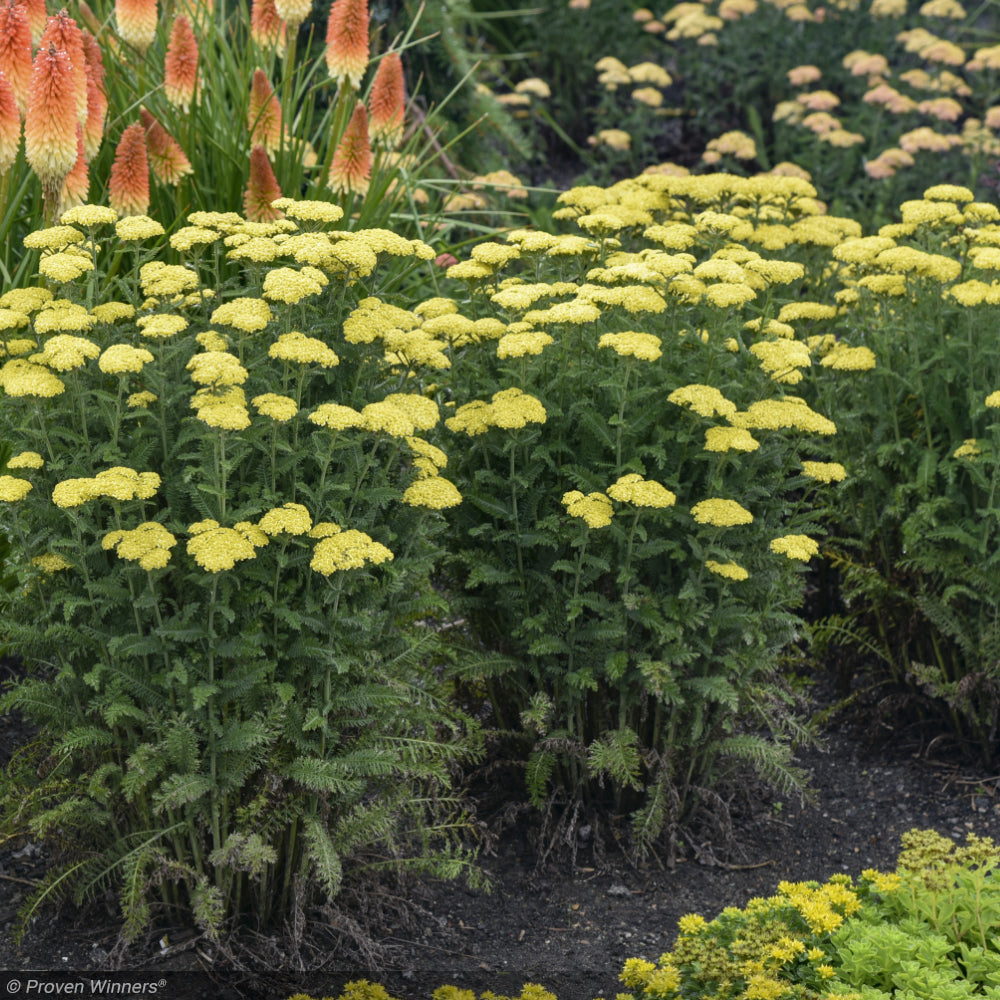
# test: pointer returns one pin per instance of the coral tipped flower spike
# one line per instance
(136, 21)
(266, 27)
(264, 113)
(262, 189)
(352, 161)
(128, 186)
(37, 18)
(15, 51)
(10, 126)
(347, 41)
(387, 101)
(50, 123)
(167, 160)
(64, 33)
(180, 67)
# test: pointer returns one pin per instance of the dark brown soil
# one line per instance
(568, 927)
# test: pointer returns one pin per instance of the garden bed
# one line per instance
(567, 927)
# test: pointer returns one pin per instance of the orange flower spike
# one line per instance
(347, 41)
(50, 123)
(15, 51)
(167, 160)
(262, 189)
(387, 101)
(97, 99)
(128, 186)
(76, 187)
(293, 12)
(64, 33)
(38, 17)
(136, 20)
(264, 114)
(266, 27)
(351, 169)
(180, 67)
(10, 126)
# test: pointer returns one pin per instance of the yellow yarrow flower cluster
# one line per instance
(800, 547)
(854, 359)
(13, 489)
(64, 266)
(67, 317)
(632, 488)
(279, 408)
(432, 491)
(138, 227)
(776, 414)
(161, 325)
(217, 368)
(49, 562)
(159, 280)
(730, 570)
(247, 314)
(594, 508)
(149, 544)
(224, 410)
(120, 359)
(303, 350)
(343, 550)
(519, 345)
(336, 416)
(216, 548)
(285, 284)
(723, 439)
(824, 472)
(721, 513)
(705, 400)
(290, 519)
(644, 346)
(117, 483)
(22, 378)
(64, 352)
(26, 460)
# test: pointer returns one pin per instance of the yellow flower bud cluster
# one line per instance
(644, 346)
(22, 378)
(800, 547)
(303, 350)
(633, 489)
(291, 519)
(721, 513)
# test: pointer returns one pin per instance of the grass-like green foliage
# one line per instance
(635, 503)
(223, 601)
(925, 932)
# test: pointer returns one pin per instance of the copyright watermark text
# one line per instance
(29, 986)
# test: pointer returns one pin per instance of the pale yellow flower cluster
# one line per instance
(844, 358)
(112, 312)
(216, 369)
(723, 439)
(343, 550)
(224, 409)
(149, 544)
(216, 548)
(303, 350)
(782, 359)
(13, 489)
(161, 280)
(593, 508)
(279, 408)
(729, 570)
(120, 359)
(800, 547)
(290, 519)
(65, 352)
(721, 513)
(117, 483)
(285, 284)
(523, 343)
(705, 400)
(22, 378)
(643, 346)
(777, 414)
(161, 325)
(336, 416)
(824, 472)
(632, 488)
(26, 460)
(61, 315)
(432, 491)
(246, 314)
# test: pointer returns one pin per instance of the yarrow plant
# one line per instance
(637, 504)
(228, 515)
